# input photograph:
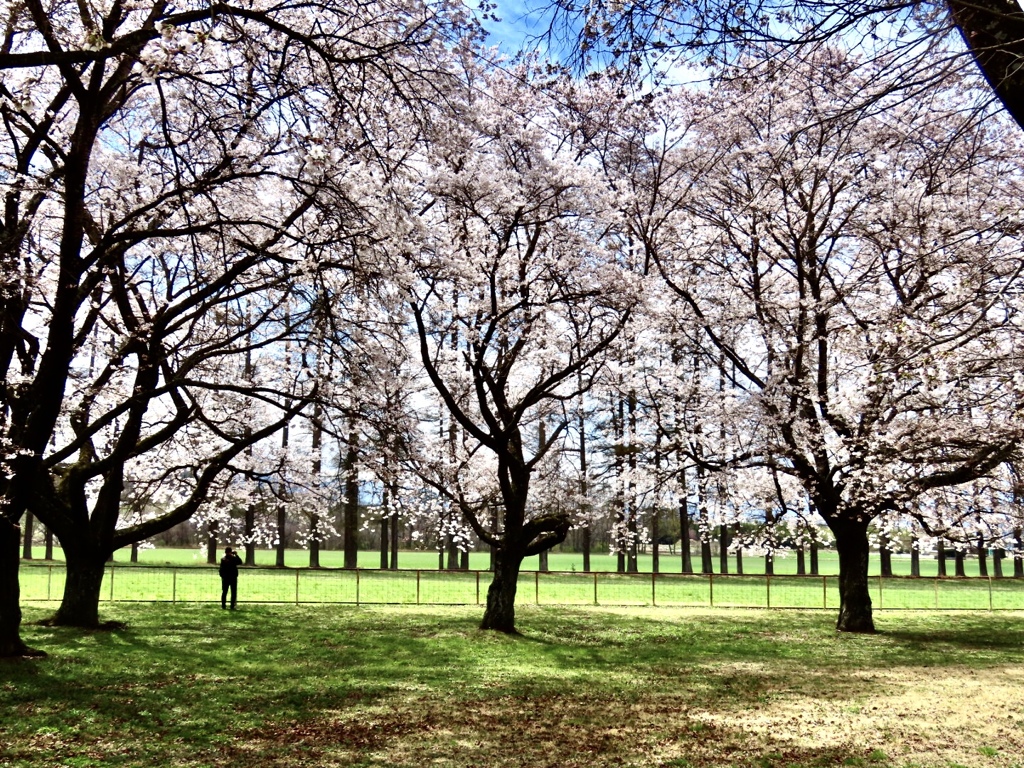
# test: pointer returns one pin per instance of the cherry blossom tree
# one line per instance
(161, 165)
(511, 241)
(854, 272)
(638, 36)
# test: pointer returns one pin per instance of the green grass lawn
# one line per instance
(785, 563)
(175, 583)
(283, 686)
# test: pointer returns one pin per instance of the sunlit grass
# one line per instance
(191, 685)
(161, 583)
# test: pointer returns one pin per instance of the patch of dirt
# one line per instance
(961, 716)
(898, 717)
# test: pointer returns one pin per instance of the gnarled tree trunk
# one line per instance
(11, 643)
(994, 31)
(500, 613)
(80, 606)
(854, 595)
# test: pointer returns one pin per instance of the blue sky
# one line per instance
(521, 20)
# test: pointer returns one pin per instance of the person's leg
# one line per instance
(234, 593)
(224, 584)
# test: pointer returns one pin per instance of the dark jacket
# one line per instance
(229, 566)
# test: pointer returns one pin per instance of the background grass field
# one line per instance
(191, 686)
(785, 562)
(169, 583)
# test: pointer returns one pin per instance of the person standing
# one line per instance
(229, 577)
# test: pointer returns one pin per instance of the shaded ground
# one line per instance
(294, 686)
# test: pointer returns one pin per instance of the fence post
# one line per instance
(595, 587)
(536, 587)
(357, 586)
(174, 585)
(711, 589)
(417, 586)
(654, 591)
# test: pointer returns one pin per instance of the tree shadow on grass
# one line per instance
(563, 729)
(104, 626)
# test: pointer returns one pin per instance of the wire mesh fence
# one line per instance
(139, 583)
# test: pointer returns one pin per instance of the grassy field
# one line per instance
(188, 583)
(288, 686)
(785, 563)
(161, 583)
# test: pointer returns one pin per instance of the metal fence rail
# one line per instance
(140, 583)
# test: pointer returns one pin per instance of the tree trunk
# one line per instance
(705, 557)
(801, 563)
(48, 545)
(961, 572)
(994, 33)
(684, 537)
(542, 562)
(940, 553)
(453, 554)
(723, 548)
(80, 606)
(27, 525)
(997, 563)
(655, 536)
(493, 560)
(632, 564)
(619, 500)
(915, 560)
(314, 541)
(384, 539)
(769, 564)
(814, 557)
(350, 523)
(704, 524)
(584, 485)
(1018, 562)
(314, 517)
(464, 560)
(739, 550)
(394, 541)
(500, 613)
(854, 596)
(282, 519)
(885, 557)
(11, 643)
(211, 545)
(250, 528)
(135, 552)
(632, 523)
(982, 557)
